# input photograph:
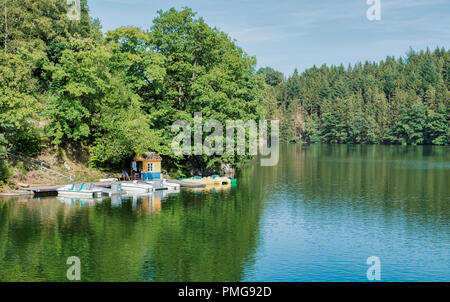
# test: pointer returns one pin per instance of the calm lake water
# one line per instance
(316, 216)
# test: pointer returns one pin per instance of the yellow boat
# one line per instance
(210, 181)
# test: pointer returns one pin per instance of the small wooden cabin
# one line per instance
(147, 166)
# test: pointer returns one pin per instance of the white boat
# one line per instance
(109, 180)
(157, 184)
(116, 190)
(80, 190)
(163, 184)
(135, 187)
(171, 186)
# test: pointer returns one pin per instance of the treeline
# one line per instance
(65, 84)
(396, 101)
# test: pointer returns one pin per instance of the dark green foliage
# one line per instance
(63, 84)
(437, 129)
(4, 170)
(38, 33)
(203, 71)
(271, 76)
(333, 128)
(409, 130)
(37, 24)
(19, 106)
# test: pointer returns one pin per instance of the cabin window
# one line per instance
(150, 167)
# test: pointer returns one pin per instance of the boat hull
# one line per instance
(137, 188)
(209, 181)
(93, 194)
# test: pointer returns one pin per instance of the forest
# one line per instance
(402, 101)
(67, 85)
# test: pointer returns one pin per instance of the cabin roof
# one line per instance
(150, 156)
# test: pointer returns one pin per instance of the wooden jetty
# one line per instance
(19, 193)
(50, 190)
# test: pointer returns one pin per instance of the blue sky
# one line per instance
(289, 34)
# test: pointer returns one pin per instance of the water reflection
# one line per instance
(328, 208)
(141, 204)
(157, 237)
(316, 216)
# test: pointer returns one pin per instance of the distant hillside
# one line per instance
(396, 101)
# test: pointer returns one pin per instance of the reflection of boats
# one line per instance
(212, 188)
(150, 203)
(163, 184)
(144, 204)
(158, 193)
(116, 200)
(80, 190)
(165, 193)
(82, 202)
(171, 186)
(137, 187)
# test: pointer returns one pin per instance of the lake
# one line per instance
(316, 216)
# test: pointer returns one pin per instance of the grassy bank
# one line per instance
(61, 163)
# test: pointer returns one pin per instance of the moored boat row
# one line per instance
(89, 190)
(80, 190)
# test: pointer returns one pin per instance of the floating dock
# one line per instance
(53, 190)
